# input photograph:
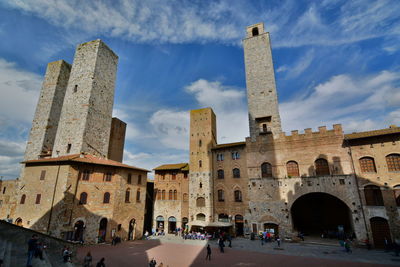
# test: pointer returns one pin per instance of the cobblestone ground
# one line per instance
(174, 252)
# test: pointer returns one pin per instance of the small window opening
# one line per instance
(69, 148)
(341, 181)
(75, 88)
(254, 31)
(201, 185)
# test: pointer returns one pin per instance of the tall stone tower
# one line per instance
(203, 134)
(86, 115)
(48, 110)
(260, 80)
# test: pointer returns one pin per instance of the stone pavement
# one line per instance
(175, 252)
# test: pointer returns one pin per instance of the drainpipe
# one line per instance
(52, 200)
(358, 188)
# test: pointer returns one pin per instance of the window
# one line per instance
(185, 175)
(4, 190)
(201, 185)
(235, 155)
(69, 148)
(175, 195)
(220, 157)
(38, 197)
(200, 143)
(200, 202)
(23, 197)
(367, 164)
(266, 170)
(185, 197)
(139, 179)
(129, 181)
(85, 175)
(200, 217)
(341, 181)
(223, 217)
(170, 195)
(393, 162)
(174, 176)
(82, 198)
(238, 196)
(107, 177)
(163, 195)
(220, 174)
(128, 195)
(236, 173)
(396, 190)
(75, 88)
(254, 31)
(159, 194)
(42, 174)
(321, 167)
(106, 198)
(200, 163)
(373, 195)
(221, 197)
(292, 169)
(138, 195)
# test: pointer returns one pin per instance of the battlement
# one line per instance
(308, 133)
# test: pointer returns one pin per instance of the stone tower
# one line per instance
(260, 80)
(203, 134)
(48, 110)
(86, 114)
(117, 140)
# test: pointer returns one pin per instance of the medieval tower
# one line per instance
(203, 134)
(262, 97)
(48, 110)
(86, 115)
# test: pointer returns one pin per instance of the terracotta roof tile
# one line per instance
(392, 130)
(176, 166)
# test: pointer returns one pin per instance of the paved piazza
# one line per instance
(174, 252)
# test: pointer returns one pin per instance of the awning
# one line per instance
(210, 224)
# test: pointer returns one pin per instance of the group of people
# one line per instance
(267, 237)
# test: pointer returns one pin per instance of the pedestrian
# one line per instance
(87, 261)
(347, 246)
(221, 244)
(278, 240)
(262, 239)
(208, 252)
(146, 235)
(152, 263)
(32, 248)
(39, 251)
(67, 255)
(229, 240)
(101, 263)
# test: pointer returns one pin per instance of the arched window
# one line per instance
(83, 198)
(23, 197)
(221, 197)
(236, 173)
(238, 196)
(200, 217)
(175, 195)
(223, 217)
(254, 31)
(367, 164)
(138, 195)
(266, 170)
(129, 180)
(396, 190)
(200, 164)
(200, 143)
(128, 195)
(393, 162)
(321, 167)
(373, 195)
(200, 202)
(292, 169)
(106, 198)
(220, 174)
(185, 197)
(163, 195)
(170, 195)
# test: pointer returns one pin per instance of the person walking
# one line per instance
(229, 237)
(101, 263)
(87, 261)
(347, 246)
(278, 240)
(208, 252)
(221, 244)
(32, 248)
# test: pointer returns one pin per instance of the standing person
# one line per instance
(87, 261)
(67, 255)
(229, 240)
(101, 263)
(32, 248)
(347, 246)
(278, 240)
(221, 244)
(152, 263)
(262, 238)
(208, 252)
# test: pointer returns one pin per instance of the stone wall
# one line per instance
(8, 199)
(117, 140)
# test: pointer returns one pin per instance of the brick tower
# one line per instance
(260, 80)
(85, 121)
(48, 110)
(203, 134)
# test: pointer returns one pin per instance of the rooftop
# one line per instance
(393, 129)
(176, 166)
(85, 158)
(229, 145)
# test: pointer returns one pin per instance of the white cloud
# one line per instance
(10, 155)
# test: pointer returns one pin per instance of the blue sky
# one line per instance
(335, 62)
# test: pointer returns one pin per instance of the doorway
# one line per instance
(78, 231)
(171, 225)
(132, 229)
(102, 230)
(380, 231)
(239, 225)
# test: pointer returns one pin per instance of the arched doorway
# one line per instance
(239, 225)
(18, 222)
(132, 229)
(271, 228)
(102, 230)
(160, 223)
(184, 223)
(171, 224)
(78, 230)
(380, 231)
(321, 213)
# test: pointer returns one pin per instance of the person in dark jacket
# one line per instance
(101, 263)
(32, 248)
(208, 252)
(221, 244)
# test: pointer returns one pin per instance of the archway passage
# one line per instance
(132, 228)
(171, 225)
(18, 222)
(380, 231)
(239, 225)
(102, 230)
(160, 223)
(78, 230)
(321, 213)
(271, 228)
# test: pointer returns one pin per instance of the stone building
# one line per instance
(7, 199)
(171, 202)
(323, 182)
(73, 183)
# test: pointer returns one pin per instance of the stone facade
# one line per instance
(85, 121)
(8, 199)
(117, 140)
(171, 201)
